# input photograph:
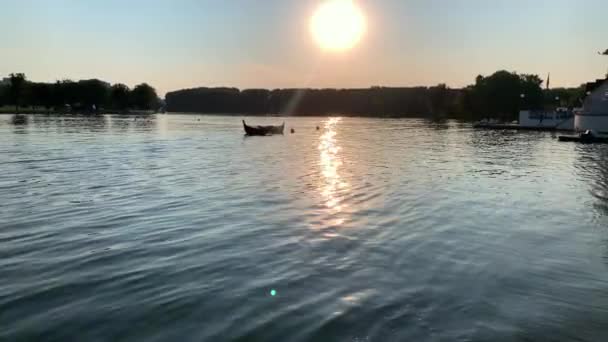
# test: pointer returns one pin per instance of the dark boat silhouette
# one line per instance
(263, 130)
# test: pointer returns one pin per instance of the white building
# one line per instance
(594, 115)
(561, 118)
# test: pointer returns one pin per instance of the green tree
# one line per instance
(65, 92)
(503, 94)
(17, 89)
(93, 93)
(41, 94)
(119, 96)
(532, 91)
(568, 97)
(439, 99)
(3, 95)
(144, 97)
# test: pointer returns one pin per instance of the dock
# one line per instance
(583, 139)
(520, 127)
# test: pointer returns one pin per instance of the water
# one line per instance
(177, 228)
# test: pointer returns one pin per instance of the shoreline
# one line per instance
(40, 112)
(278, 115)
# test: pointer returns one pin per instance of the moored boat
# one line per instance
(263, 130)
(587, 137)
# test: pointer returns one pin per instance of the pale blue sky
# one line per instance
(174, 44)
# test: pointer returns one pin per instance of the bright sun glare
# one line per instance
(337, 25)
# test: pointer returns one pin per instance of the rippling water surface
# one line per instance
(176, 228)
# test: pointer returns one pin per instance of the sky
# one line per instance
(175, 44)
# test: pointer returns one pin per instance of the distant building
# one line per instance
(560, 118)
(5, 81)
(594, 115)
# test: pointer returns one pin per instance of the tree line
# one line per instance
(375, 101)
(90, 96)
(500, 95)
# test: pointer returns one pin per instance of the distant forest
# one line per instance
(500, 95)
(84, 96)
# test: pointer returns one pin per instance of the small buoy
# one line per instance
(318, 128)
(293, 131)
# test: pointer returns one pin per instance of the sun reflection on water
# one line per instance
(330, 162)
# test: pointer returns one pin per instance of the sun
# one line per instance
(337, 25)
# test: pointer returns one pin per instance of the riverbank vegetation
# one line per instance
(500, 95)
(19, 94)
